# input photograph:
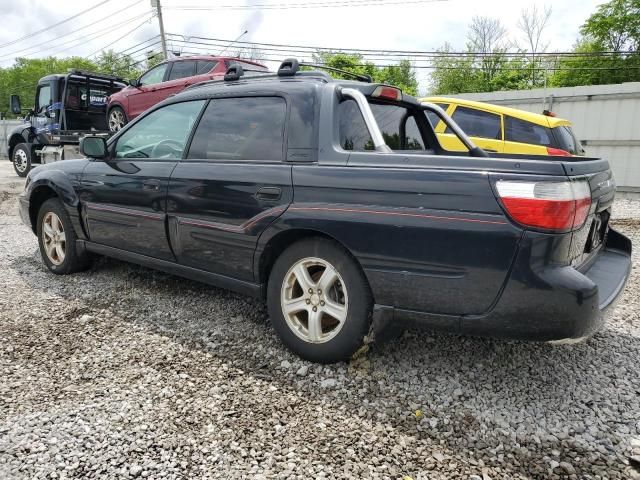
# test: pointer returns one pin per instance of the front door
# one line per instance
(124, 198)
(150, 91)
(231, 186)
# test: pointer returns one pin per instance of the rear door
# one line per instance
(484, 128)
(124, 198)
(232, 185)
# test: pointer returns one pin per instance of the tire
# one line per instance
(348, 297)
(116, 119)
(21, 159)
(54, 229)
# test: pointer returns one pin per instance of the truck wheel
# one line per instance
(117, 119)
(21, 159)
(57, 240)
(319, 301)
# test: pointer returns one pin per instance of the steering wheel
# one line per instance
(167, 149)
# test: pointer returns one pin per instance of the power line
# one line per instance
(48, 28)
(47, 43)
(384, 51)
(127, 52)
(146, 20)
(288, 6)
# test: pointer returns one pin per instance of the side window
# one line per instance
(205, 66)
(434, 118)
(44, 97)
(354, 134)
(248, 128)
(477, 123)
(160, 135)
(182, 69)
(155, 75)
(521, 131)
(413, 139)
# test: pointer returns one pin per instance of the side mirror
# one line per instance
(134, 82)
(94, 147)
(15, 104)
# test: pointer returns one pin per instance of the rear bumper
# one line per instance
(554, 303)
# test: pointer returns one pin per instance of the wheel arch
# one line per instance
(15, 139)
(39, 195)
(52, 184)
(278, 242)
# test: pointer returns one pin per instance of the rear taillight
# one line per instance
(558, 206)
(557, 152)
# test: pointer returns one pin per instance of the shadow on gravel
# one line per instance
(531, 391)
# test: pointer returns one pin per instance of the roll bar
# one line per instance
(369, 119)
(474, 150)
(376, 135)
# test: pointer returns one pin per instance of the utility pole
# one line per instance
(156, 4)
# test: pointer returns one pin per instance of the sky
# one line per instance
(413, 25)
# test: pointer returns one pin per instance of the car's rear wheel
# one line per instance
(21, 159)
(117, 119)
(57, 240)
(319, 301)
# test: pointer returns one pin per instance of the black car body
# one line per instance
(427, 231)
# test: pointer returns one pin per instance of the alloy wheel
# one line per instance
(116, 120)
(314, 300)
(54, 238)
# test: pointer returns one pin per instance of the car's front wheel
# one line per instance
(57, 240)
(116, 119)
(319, 301)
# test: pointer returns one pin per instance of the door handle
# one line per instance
(151, 185)
(269, 193)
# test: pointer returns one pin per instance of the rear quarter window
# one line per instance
(521, 131)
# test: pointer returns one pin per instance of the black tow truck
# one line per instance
(67, 107)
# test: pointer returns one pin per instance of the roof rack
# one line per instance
(234, 72)
(290, 66)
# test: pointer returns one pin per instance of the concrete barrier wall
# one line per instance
(606, 118)
(5, 130)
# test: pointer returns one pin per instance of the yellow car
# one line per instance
(504, 130)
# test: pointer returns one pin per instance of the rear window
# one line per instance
(521, 131)
(391, 119)
(566, 140)
(477, 123)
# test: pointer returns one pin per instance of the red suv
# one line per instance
(164, 80)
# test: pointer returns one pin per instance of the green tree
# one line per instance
(400, 75)
(615, 25)
(120, 65)
(613, 28)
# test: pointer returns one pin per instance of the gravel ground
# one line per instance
(122, 372)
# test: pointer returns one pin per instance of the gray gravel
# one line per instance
(122, 372)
